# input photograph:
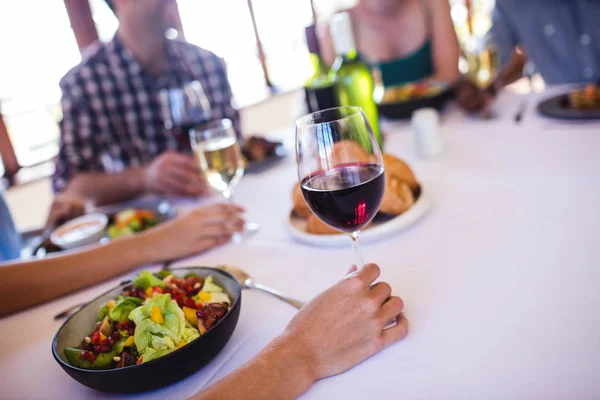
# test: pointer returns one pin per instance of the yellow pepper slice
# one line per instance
(204, 296)
(129, 342)
(156, 315)
(190, 315)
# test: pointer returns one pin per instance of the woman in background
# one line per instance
(407, 40)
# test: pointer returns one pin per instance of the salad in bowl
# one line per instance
(150, 318)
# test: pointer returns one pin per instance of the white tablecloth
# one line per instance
(500, 280)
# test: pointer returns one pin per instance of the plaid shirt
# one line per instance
(112, 117)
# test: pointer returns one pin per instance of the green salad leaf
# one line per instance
(209, 286)
(125, 305)
(102, 313)
(154, 339)
(146, 280)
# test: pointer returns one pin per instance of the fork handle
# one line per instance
(296, 303)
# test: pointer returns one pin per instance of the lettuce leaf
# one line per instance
(124, 306)
(209, 286)
(146, 280)
(154, 340)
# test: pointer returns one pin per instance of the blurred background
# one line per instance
(262, 42)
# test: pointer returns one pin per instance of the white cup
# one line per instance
(425, 124)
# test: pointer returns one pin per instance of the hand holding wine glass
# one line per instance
(174, 174)
(340, 169)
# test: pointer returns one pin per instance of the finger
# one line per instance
(391, 308)
(381, 291)
(179, 187)
(184, 162)
(170, 187)
(220, 208)
(397, 332)
(368, 274)
(182, 175)
(351, 270)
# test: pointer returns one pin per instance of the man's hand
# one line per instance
(345, 324)
(64, 207)
(174, 174)
(471, 98)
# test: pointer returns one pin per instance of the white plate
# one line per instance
(383, 230)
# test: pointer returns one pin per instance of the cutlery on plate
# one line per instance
(529, 71)
(247, 282)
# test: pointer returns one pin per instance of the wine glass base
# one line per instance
(250, 229)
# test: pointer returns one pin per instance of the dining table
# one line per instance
(500, 278)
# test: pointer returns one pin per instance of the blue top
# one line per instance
(10, 239)
(561, 37)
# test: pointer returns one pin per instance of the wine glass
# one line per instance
(340, 169)
(184, 108)
(218, 154)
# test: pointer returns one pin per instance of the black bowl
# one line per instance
(161, 371)
(405, 109)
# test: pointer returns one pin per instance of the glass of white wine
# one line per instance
(218, 154)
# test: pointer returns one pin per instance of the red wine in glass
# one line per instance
(346, 197)
(181, 131)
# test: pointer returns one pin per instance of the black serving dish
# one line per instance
(161, 371)
(405, 109)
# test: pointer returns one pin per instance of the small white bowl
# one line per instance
(80, 231)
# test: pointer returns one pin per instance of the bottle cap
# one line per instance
(342, 34)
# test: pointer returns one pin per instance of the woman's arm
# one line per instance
(444, 41)
(339, 329)
(30, 282)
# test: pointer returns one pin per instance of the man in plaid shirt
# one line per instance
(114, 145)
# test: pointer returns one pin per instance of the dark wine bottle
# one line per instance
(319, 88)
(354, 82)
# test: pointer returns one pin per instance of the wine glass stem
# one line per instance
(228, 195)
(356, 248)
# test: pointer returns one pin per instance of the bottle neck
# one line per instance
(319, 66)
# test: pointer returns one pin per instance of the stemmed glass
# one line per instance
(218, 154)
(340, 169)
(184, 108)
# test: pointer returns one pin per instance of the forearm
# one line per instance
(27, 283)
(104, 188)
(280, 371)
(510, 72)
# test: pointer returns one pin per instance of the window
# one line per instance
(43, 49)
(281, 29)
(225, 28)
(105, 20)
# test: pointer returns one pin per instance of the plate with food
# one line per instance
(578, 104)
(150, 332)
(399, 102)
(116, 220)
(260, 153)
(405, 201)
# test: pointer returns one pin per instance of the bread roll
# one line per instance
(400, 184)
(348, 151)
(300, 207)
(397, 197)
(314, 225)
(400, 170)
